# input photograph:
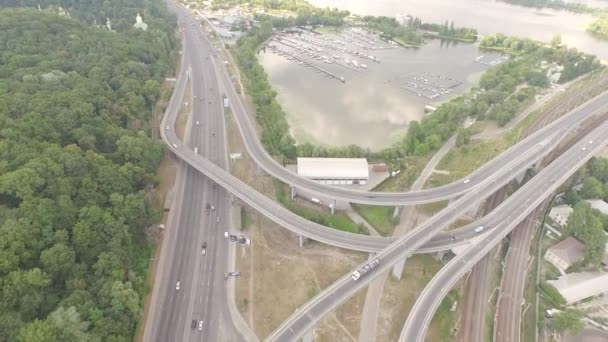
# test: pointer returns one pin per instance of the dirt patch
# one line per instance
(399, 296)
(277, 270)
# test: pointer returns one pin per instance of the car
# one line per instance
(479, 229)
(213, 134)
(583, 149)
(212, 208)
(226, 235)
(178, 285)
(197, 123)
(217, 219)
(175, 145)
(591, 141)
(193, 325)
(466, 181)
(196, 150)
(200, 325)
(195, 97)
(167, 127)
(204, 248)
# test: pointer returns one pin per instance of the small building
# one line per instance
(575, 287)
(599, 205)
(560, 214)
(334, 171)
(565, 253)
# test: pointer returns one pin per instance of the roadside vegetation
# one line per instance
(381, 218)
(587, 225)
(77, 167)
(338, 221)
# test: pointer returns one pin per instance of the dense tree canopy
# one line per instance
(76, 161)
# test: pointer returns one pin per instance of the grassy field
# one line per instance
(442, 325)
(404, 180)
(381, 218)
(337, 221)
(461, 161)
(399, 297)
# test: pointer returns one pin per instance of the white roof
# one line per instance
(333, 168)
(578, 286)
(598, 205)
(563, 210)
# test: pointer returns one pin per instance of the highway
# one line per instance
(502, 169)
(264, 160)
(330, 236)
(202, 292)
(503, 216)
(506, 217)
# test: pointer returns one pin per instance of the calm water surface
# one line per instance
(372, 109)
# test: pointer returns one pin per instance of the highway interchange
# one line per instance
(173, 310)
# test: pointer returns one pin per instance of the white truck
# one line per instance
(365, 269)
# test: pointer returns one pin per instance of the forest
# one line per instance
(77, 164)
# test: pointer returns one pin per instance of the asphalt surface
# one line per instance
(202, 292)
(342, 239)
(499, 171)
(505, 217)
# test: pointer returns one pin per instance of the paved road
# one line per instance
(505, 217)
(371, 307)
(264, 160)
(202, 295)
(341, 239)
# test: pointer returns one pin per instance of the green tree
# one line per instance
(592, 188)
(37, 331)
(568, 320)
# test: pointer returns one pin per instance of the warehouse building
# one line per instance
(575, 287)
(334, 171)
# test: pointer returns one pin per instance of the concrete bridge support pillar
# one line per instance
(521, 176)
(308, 337)
(439, 255)
(293, 192)
(332, 207)
(397, 270)
(301, 240)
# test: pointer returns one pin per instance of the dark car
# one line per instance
(193, 325)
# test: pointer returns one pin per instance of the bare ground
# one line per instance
(276, 270)
(398, 297)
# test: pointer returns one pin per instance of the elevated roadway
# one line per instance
(505, 217)
(509, 211)
(265, 161)
(521, 158)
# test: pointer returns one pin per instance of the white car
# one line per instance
(466, 181)
(197, 122)
(584, 148)
(217, 219)
(226, 235)
(591, 141)
(175, 145)
(167, 127)
(177, 286)
(200, 325)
